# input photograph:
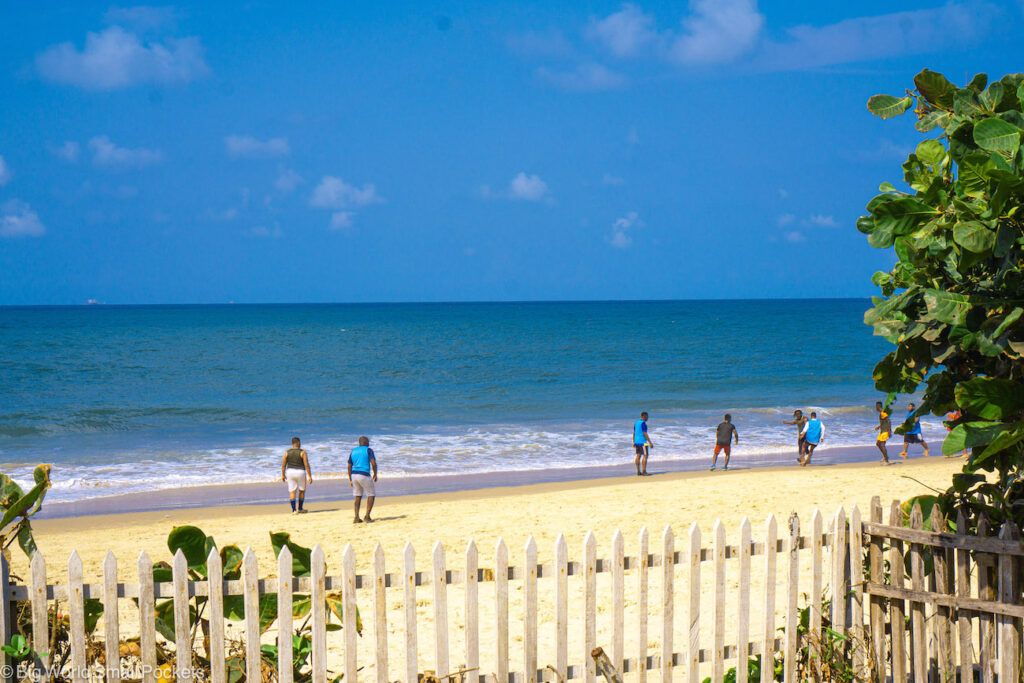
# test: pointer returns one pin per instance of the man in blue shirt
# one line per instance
(641, 444)
(361, 461)
(913, 435)
(814, 434)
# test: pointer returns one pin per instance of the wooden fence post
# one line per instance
(501, 608)
(182, 625)
(40, 632)
(285, 568)
(839, 591)
(641, 580)
(718, 595)
(562, 607)
(409, 607)
(147, 616)
(855, 554)
(743, 603)
(877, 606)
(530, 611)
(589, 606)
(768, 637)
(111, 627)
(939, 582)
(350, 610)
(251, 600)
(318, 608)
(618, 599)
(917, 623)
(472, 610)
(76, 618)
(814, 632)
(792, 615)
(1009, 631)
(986, 591)
(6, 614)
(963, 590)
(693, 615)
(215, 608)
(440, 612)
(897, 608)
(380, 614)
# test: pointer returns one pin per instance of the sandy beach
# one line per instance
(512, 513)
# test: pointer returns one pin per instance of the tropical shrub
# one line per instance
(952, 304)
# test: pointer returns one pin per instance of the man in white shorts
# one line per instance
(295, 471)
(361, 462)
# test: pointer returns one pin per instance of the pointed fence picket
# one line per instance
(954, 625)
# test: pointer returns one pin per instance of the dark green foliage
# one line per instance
(16, 507)
(953, 303)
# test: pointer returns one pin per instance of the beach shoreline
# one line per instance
(331, 490)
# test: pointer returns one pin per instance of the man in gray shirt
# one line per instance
(724, 435)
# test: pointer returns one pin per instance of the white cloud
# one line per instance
(287, 180)
(785, 219)
(717, 32)
(262, 231)
(68, 151)
(5, 172)
(587, 77)
(335, 193)
(822, 221)
(621, 238)
(624, 33)
(610, 179)
(239, 146)
(341, 220)
(794, 237)
(17, 219)
(115, 58)
(225, 216)
(527, 187)
(882, 36)
(105, 154)
(142, 17)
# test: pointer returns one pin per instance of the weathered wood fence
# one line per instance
(964, 614)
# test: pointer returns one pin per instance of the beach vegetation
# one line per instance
(17, 507)
(953, 303)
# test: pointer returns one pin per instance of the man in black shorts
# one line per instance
(724, 434)
(799, 420)
(641, 444)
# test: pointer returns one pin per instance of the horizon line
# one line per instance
(102, 304)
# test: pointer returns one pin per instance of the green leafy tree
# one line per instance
(953, 303)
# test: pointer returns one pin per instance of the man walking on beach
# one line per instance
(913, 435)
(884, 429)
(799, 420)
(295, 471)
(724, 434)
(360, 463)
(641, 444)
(814, 434)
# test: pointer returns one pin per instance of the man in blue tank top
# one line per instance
(814, 434)
(913, 435)
(641, 444)
(361, 462)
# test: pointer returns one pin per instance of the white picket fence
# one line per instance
(370, 593)
(662, 581)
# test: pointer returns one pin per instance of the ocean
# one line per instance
(131, 399)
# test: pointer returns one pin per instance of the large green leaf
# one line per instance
(991, 97)
(989, 398)
(973, 174)
(191, 541)
(932, 119)
(931, 152)
(935, 89)
(301, 561)
(231, 557)
(947, 307)
(887, 106)
(899, 214)
(997, 135)
(978, 83)
(974, 236)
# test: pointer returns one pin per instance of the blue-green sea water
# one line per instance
(131, 399)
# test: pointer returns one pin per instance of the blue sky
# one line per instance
(432, 151)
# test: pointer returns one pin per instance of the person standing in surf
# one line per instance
(295, 470)
(799, 420)
(884, 430)
(724, 434)
(814, 434)
(641, 445)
